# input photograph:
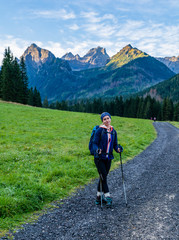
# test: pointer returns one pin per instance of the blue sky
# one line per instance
(76, 26)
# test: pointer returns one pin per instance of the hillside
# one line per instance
(130, 78)
(168, 88)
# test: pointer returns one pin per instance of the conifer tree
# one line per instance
(167, 109)
(148, 109)
(7, 86)
(127, 107)
(88, 106)
(0, 85)
(45, 103)
(64, 105)
(30, 100)
(17, 83)
(118, 102)
(58, 105)
(106, 107)
(176, 112)
(37, 98)
(95, 106)
(140, 109)
(24, 79)
(14, 82)
(100, 105)
(121, 106)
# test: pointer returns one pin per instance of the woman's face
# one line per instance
(107, 121)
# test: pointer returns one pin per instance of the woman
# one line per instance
(105, 140)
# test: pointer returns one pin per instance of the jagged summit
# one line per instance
(98, 50)
(37, 54)
(68, 56)
(95, 57)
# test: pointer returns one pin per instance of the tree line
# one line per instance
(14, 82)
(134, 107)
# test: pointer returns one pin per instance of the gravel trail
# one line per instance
(152, 213)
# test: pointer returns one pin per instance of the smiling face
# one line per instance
(107, 121)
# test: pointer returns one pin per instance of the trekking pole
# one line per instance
(100, 177)
(100, 181)
(124, 188)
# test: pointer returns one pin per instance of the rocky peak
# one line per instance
(99, 51)
(77, 57)
(37, 54)
(96, 56)
(68, 56)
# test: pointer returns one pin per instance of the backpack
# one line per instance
(92, 140)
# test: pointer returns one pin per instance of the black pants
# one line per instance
(103, 167)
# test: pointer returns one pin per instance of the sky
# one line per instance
(76, 26)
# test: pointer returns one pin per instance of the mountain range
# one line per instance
(96, 57)
(171, 62)
(94, 75)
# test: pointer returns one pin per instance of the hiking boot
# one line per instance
(98, 200)
(108, 202)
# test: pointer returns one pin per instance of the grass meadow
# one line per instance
(44, 156)
(176, 124)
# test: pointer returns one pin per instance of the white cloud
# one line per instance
(92, 17)
(100, 30)
(52, 14)
(55, 47)
(109, 17)
(99, 26)
(74, 27)
(156, 39)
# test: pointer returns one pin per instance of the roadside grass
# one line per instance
(44, 156)
(176, 124)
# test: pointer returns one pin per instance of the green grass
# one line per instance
(44, 156)
(176, 124)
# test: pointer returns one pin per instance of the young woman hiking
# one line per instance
(105, 140)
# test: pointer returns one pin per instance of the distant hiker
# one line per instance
(105, 140)
(155, 119)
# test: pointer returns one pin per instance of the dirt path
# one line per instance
(152, 187)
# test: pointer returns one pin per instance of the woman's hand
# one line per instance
(99, 151)
(120, 149)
